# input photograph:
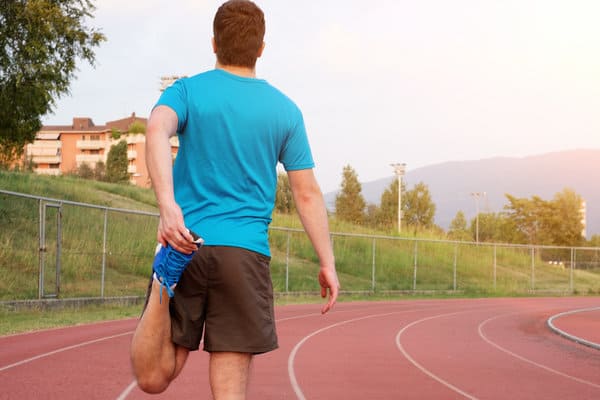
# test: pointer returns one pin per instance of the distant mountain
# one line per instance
(451, 183)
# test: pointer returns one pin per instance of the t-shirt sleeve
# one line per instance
(296, 153)
(175, 97)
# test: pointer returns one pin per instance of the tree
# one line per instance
(386, 215)
(115, 133)
(85, 171)
(349, 202)
(493, 227)
(418, 208)
(565, 219)
(555, 222)
(116, 163)
(372, 214)
(284, 200)
(40, 41)
(100, 171)
(526, 215)
(458, 228)
(136, 127)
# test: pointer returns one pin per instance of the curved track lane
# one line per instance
(409, 349)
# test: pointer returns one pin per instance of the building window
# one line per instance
(82, 137)
(94, 137)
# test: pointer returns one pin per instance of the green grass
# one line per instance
(385, 261)
(12, 322)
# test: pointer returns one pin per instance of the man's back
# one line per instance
(233, 131)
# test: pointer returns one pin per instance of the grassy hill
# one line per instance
(130, 238)
(366, 259)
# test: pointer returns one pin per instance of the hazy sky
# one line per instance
(419, 82)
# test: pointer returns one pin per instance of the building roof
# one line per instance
(80, 124)
(86, 124)
(124, 123)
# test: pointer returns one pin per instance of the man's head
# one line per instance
(239, 30)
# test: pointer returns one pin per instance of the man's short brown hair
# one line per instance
(239, 30)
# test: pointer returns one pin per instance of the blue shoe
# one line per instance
(169, 264)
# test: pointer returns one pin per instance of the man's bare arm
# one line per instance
(171, 229)
(313, 215)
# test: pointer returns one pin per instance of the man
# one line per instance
(233, 129)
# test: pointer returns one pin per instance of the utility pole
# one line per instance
(399, 170)
(477, 196)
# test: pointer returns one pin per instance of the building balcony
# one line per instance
(91, 144)
(88, 158)
(131, 154)
(135, 138)
(42, 159)
(45, 149)
(131, 169)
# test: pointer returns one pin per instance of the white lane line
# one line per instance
(291, 371)
(292, 357)
(422, 368)
(569, 336)
(526, 360)
(128, 390)
(75, 346)
(133, 384)
(60, 328)
(293, 380)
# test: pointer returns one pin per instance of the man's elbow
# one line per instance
(309, 194)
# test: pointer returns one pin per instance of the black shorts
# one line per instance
(225, 293)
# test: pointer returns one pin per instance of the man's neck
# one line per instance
(239, 71)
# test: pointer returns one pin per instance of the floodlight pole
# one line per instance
(399, 170)
(477, 196)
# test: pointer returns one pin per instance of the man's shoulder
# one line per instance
(200, 76)
(282, 98)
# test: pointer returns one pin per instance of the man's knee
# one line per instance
(152, 386)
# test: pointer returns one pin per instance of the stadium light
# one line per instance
(477, 196)
(399, 170)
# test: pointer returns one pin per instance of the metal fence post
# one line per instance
(373, 268)
(532, 268)
(415, 269)
(574, 265)
(104, 253)
(495, 266)
(58, 248)
(571, 285)
(287, 263)
(455, 260)
(41, 249)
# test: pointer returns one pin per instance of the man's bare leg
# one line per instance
(155, 359)
(229, 375)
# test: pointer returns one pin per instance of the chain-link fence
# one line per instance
(56, 248)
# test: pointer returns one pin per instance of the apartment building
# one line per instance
(63, 149)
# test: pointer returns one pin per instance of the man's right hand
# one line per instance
(172, 229)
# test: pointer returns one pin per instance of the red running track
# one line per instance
(406, 349)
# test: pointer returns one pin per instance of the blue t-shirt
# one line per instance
(232, 133)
